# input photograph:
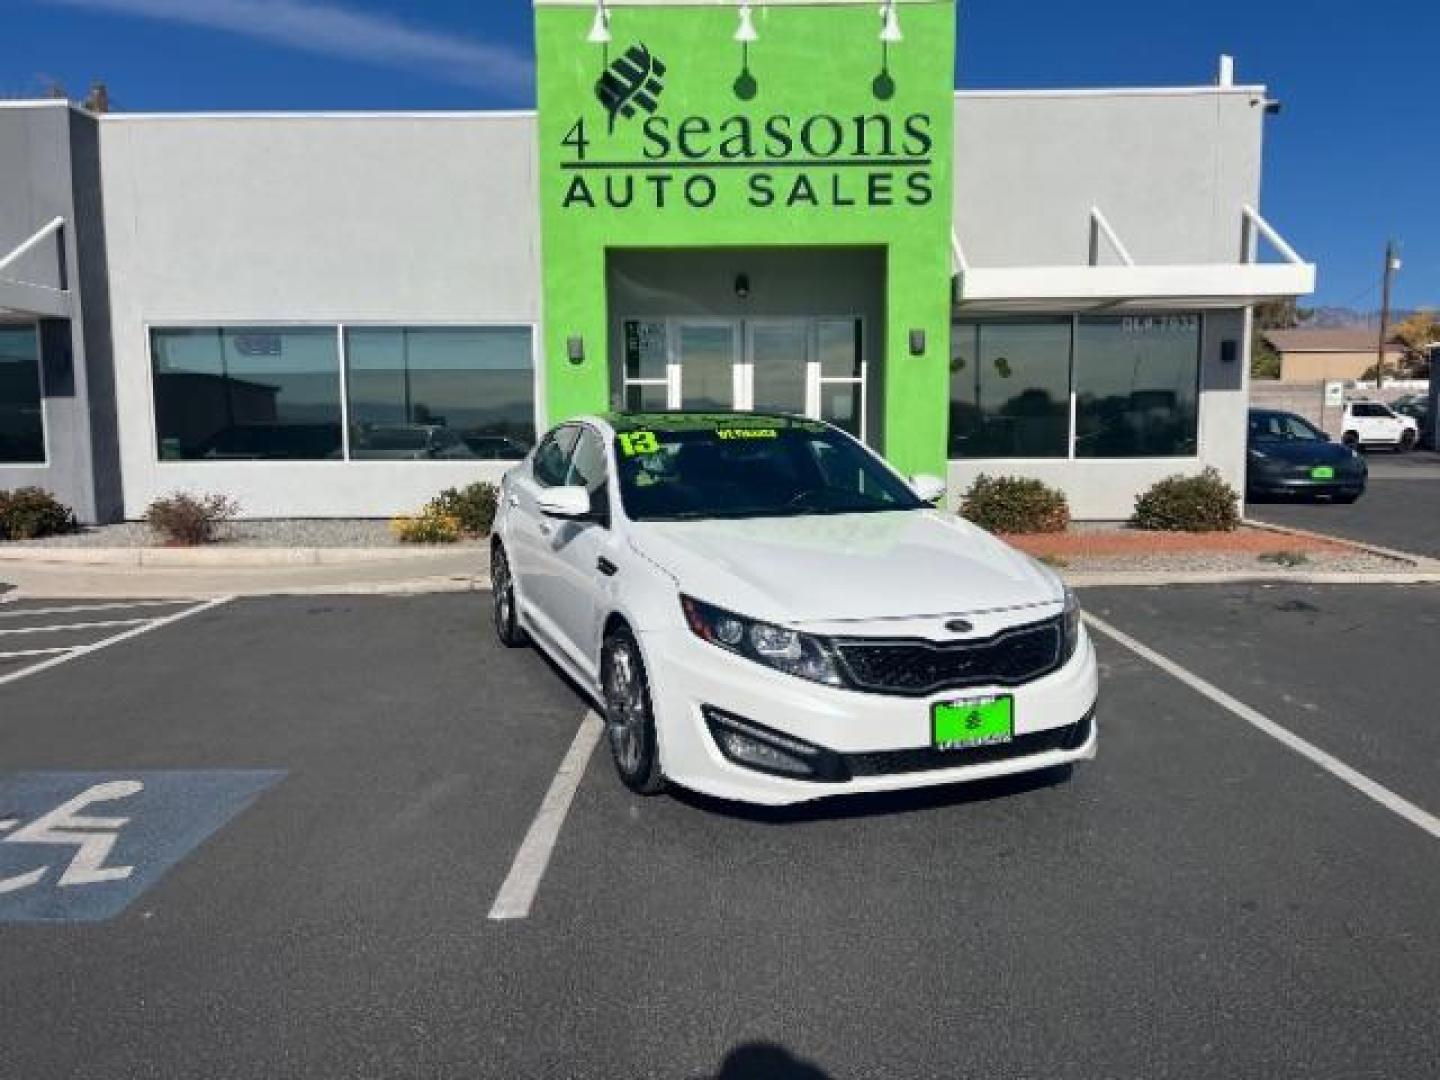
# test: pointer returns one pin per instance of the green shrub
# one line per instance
(473, 506)
(430, 526)
(187, 520)
(1204, 503)
(1009, 504)
(29, 513)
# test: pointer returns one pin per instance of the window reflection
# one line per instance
(246, 394)
(1010, 389)
(22, 425)
(420, 393)
(1137, 386)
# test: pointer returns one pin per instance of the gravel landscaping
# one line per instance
(1198, 562)
(309, 533)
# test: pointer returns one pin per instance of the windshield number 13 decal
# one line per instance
(638, 442)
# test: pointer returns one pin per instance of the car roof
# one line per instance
(689, 421)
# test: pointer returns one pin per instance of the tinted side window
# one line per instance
(552, 457)
(1369, 409)
(587, 466)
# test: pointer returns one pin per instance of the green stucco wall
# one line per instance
(816, 156)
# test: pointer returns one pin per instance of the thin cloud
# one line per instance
(333, 30)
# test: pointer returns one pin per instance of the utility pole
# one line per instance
(1392, 263)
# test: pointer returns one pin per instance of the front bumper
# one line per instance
(1304, 485)
(879, 743)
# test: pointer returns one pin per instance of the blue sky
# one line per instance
(1352, 158)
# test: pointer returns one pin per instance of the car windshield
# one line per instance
(723, 466)
(1283, 427)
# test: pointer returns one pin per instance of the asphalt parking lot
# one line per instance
(1400, 508)
(332, 793)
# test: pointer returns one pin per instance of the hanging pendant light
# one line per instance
(600, 28)
(890, 30)
(745, 33)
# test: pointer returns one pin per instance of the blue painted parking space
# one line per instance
(81, 846)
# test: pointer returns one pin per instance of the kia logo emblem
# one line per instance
(959, 626)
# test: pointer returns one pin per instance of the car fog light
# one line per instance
(760, 755)
(754, 746)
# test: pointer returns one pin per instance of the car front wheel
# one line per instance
(502, 587)
(1351, 439)
(1407, 440)
(629, 718)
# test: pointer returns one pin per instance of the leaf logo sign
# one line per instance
(631, 82)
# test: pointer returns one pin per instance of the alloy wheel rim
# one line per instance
(626, 711)
(503, 594)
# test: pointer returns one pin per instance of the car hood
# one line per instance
(1301, 452)
(829, 568)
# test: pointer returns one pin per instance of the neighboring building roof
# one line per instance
(1339, 339)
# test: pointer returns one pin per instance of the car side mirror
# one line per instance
(1325, 437)
(564, 502)
(927, 488)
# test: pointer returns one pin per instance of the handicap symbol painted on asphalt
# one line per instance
(79, 847)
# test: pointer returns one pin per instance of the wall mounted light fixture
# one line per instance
(742, 286)
(745, 32)
(600, 28)
(884, 85)
(890, 24)
(746, 87)
(575, 349)
(917, 342)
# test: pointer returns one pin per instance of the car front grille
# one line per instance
(912, 667)
(926, 759)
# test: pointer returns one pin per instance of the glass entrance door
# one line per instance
(706, 357)
(777, 356)
(811, 366)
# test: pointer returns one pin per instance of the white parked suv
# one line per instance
(1369, 423)
(766, 611)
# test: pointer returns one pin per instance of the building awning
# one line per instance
(1125, 285)
(24, 299)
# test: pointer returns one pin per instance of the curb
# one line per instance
(1101, 579)
(213, 558)
(1357, 545)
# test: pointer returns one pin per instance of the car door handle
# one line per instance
(606, 567)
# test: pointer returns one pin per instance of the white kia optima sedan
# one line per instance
(767, 612)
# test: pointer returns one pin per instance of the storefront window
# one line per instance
(1137, 386)
(1010, 389)
(440, 393)
(22, 424)
(247, 394)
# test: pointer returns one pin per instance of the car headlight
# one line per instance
(802, 655)
(1070, 624)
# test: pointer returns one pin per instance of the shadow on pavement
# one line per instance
(886, 804)
(765, 1061)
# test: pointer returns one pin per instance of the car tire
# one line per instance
(1346, 499)
(1407, 441)
(1350, 439)
(629, 715)
(506, 612)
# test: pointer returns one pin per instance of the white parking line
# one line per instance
(518, 893)
(107, 625)
(116, 606)
(135, 631)
(22, 653)
(1333, 765)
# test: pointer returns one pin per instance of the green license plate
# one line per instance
(964, 724)
(1322, 472)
